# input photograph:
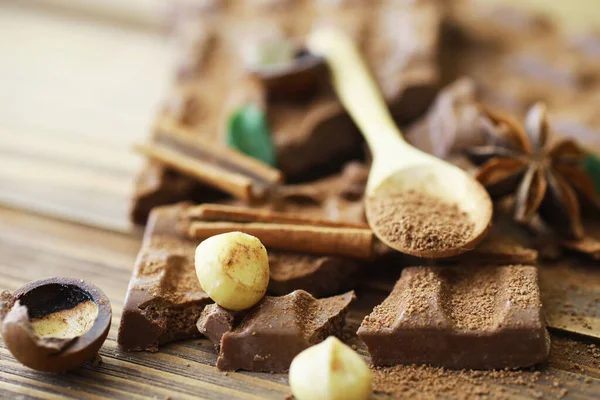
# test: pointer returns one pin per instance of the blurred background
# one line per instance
(80, 81)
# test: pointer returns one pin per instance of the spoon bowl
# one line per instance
(398, 167)
(450, 185)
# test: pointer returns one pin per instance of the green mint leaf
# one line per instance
(248, 132)
(592, 165)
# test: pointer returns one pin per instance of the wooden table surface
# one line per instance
(70, 161)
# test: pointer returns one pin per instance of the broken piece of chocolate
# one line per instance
(450, 124)
(164, 299)
(479, 317)
(505, 244)
(278, 328)
(215, 321)
(320, 276)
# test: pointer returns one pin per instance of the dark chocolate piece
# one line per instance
(399, 41)
(338, 197)
(505, 243)
(451, 124)
(278, 328)
(156, 185)
(164, 299)
(320, 276)
(215, 321)
(480, 317)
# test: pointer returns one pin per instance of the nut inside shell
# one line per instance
(55, 324)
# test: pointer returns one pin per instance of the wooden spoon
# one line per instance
(397, 166)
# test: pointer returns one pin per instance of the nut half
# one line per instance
(56, 324)
(330, 371)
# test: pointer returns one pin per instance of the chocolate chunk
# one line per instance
(278, 328)
(451, 124)
(156, 185)
(320, 276)
(399, 41)
(164, 299)
(215, 321)
(479, 317)
(337, 197)
(506, 243)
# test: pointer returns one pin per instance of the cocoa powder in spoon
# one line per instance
(418, 221)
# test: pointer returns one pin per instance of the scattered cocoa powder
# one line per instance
(427, 382)
(475, 298)
(418, 221)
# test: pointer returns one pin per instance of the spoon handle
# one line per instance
(356, 88)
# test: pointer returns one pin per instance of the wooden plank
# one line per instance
(62, 153)
(81, 92)
(142, 13)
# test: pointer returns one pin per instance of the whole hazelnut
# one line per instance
(330, 371)
(233, 269)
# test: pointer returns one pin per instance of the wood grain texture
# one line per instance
(34, 247)
(572, 296)
(71, 91)
(76, 93)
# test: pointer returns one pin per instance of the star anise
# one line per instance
(548, 180)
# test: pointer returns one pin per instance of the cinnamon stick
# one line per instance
(349, 242)
(226, 213)
(168, 130)
(236, 184)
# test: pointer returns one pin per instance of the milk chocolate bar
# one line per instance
(479, 317)
(311, 132)
(278, 328)
(164, 299)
